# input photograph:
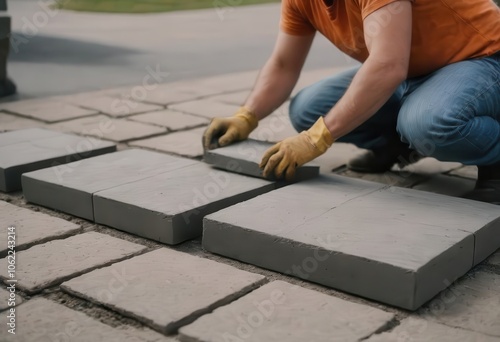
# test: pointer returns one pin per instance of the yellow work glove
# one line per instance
(286, 156)
(224, 131)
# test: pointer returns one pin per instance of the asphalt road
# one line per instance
(63, 52)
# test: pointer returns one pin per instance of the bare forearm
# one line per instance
(273, 87)
(370, 89)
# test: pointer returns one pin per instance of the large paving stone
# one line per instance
(32, 149)
(274, 128)
(42, 320)
(345, 233)
(170, 119)
(170, 207)
(164, 94)
(164, 289)
(447, 185)
(31, 227)
(244, 158)
(53, 262)
(46, 110)
(205, 108)
(10, 122)
(101, 126)
(470, 304)
(419, 330)
(185, 143)
(280, 311)
(9, 299)
(113, 106)
(237, 98)
(69, 188)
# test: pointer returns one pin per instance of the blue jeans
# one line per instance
(452, 114)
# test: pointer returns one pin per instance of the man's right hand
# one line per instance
(225, 131)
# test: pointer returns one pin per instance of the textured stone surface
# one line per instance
(69, 188)
(470, 304)
(237, 98)
(101, 126)
(280, 311)
(116, 107)
(173, 120)
(408, 245)
(42, 320)
(275, 127)
(170, 207)
(165, 94)
(186, 143)
(31, 227)
(205, 108)
(402, 179)
(495, 259)
(244, 158)
(32, 149)
(447, 185)
(48, 111)
(50, 263)
(9, 122)
(183, 287)
(419, 330)
(5, 298)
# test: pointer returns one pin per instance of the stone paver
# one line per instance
(32, 149)
(30, 227)
(419, 330)
(447, 185)
(104, 127)
(465, 172)
(170, 207)
(280, 311)
(244, 158)
(48, 111)
(185, 143)
(205, 108)
(164, 289)
(170, 119)
(495, 259)
(51, 263)
(7, 297)
(237, 98)
(69, 188)
(9, 122)
(113, 106)
(164, 94)
(402, 179)
(470, 304)
(408, 245)
(43, 320)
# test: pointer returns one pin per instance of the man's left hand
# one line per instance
(286, 156)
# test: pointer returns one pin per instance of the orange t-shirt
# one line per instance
(444, 31)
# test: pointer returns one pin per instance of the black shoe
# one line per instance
(382, 160)
(487, 186)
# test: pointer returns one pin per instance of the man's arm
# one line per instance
(273, 87)
(386, 67)
(280, 74)
(389, 45)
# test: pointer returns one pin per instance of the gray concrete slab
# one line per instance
(170, 207)
(344, 233)
(472, 303)
(170, 119)
(47, 111)
(30, 227)
(185, 143)
(280, 311)
(419, 330)
(69, 188)
(447, 185)
(53, 262)
(244, 157)
(9, 122)
(113, 106)
(206, 108)
(183, 287)
(43, 320)
(21, 154)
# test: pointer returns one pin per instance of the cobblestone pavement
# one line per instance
(80, 281)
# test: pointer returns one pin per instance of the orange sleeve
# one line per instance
(369, 6)
(292, 21)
